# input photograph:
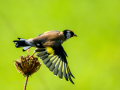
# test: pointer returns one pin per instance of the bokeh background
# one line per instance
(93, 56)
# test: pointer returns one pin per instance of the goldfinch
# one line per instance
(50, 50)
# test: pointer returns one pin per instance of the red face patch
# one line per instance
(72, 33)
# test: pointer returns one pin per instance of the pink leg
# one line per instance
(31, 55)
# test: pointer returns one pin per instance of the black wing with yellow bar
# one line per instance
(55, 60)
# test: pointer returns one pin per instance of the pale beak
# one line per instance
(75, 35)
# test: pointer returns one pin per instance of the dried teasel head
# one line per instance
(27, 66)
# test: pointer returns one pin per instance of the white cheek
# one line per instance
(68, 35)
(38, 44)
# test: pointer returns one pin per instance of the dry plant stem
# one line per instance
(26, 82)
(27, 66)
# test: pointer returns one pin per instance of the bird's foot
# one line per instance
(28, 50)
(30, 56)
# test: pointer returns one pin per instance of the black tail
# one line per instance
(21, 43)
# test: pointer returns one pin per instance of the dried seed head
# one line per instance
(27, 66)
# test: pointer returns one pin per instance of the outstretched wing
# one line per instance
(55, 60)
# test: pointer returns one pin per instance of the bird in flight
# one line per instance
(50, 50)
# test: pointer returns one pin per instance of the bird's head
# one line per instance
(68, 34)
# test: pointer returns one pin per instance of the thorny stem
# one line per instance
(26, 82)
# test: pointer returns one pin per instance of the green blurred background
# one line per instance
(94, 56)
